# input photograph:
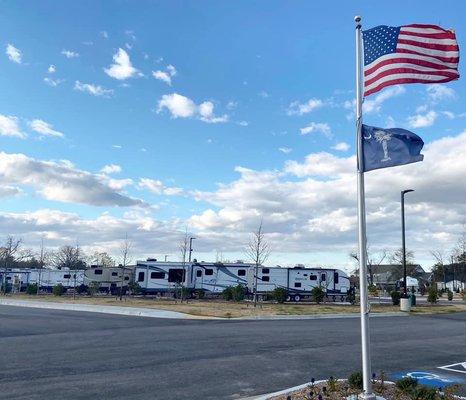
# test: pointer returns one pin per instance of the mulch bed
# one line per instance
(339, 390)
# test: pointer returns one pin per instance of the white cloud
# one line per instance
(341, 146)
(165, 76)
(243, 123)
(285, 150)
(61, 181)
(374, 105)
(95, 90)
(51, 69)
(53, 82)
(181, 106)
(111, 169)
(104, 34)
(44, 128)
(317, 127)
(121, 68)
(69, 53)
(157, 187)
(263, 94)
(438, 92)
(296, 108)
(9, 126)
(13, 53)
(422, 120)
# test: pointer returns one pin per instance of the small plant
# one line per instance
(355, 380)
(279, 294)
(317, 294)
(432, 295)
(407, 384)
(332, 384)
(373, 290)
(227, 293)
(238, 293)
(58, 290)
(450, 295)
(395, 297)
(199, 294)
(81, 289)
(32, 289)
(93, 288)
(134, 288)
(463, 294)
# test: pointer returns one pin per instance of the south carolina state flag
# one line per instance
(383, 148)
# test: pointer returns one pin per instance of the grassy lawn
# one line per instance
(223, 309)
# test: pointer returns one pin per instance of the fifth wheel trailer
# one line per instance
(299, 281)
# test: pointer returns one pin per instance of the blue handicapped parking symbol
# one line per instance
(426, 378)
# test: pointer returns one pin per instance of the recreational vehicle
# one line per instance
(215, 277)
(299, 281)
(109, 279)
(157, 277)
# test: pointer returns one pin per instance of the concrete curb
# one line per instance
(321, 316)
(129, 311)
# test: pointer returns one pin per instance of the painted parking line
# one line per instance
(457, 367)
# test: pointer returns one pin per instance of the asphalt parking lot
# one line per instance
(51, 354)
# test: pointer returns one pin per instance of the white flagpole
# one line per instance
(365, 340)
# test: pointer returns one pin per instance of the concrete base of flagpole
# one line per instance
(405, 305)
(365, 397)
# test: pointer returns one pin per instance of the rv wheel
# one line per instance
(288, 298)
(297, 298)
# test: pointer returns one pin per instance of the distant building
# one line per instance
(390, 276)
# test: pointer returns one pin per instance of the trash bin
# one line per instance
(405, 304)
(413, 299)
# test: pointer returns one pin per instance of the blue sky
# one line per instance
(238, 84)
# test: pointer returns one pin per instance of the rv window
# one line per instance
(66, 276)
(209, 271)
(114, 273)
(241, 272)
(199, 273)
(297, 284)
(323, 277)
(141, 276)
(97, 272)
(313, 277)
(157, 275)
(126, 278)
(265, 270)
(175, 275)
(335, 277)
(266, 278)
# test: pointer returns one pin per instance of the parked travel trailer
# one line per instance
(157, 277)
(47, 278)
(215, 277)
(110, 279)
(299, 281)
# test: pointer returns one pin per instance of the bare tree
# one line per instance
(10, 253)
(374, 260)
(42, 259)
(184, 251)
(125, 257)
(258, 251)
(69, 257)
(439, 267)
(103, 259)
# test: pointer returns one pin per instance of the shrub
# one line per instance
(424, 393)
(93, 288)
(134, 288)
(450, 295)
(279, 294)
(373, 290)
(199, 294)
(81, 288)
(395, 297)
(355, 380)
(332, 384)
(238, 293)
(432, 295)
(227, 293)
(58, 290)
(32, 289)
(406, 384)
(317, 294)
(463, 294)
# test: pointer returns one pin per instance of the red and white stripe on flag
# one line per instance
(424, 54)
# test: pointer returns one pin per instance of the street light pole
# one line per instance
(403, 238)
(191, 247)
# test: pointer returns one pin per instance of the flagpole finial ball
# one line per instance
(357, 19)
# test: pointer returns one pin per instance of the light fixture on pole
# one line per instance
(403, 239)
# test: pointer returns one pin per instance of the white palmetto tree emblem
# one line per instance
(383, 137)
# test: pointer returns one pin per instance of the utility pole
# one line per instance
(191, 247)
(403, 238)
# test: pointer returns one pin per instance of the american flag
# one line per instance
(408, 54)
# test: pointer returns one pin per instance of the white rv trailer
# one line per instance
(47, 278)
(299, 281)
(216, 277)
(110, 279)
(157, 277)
